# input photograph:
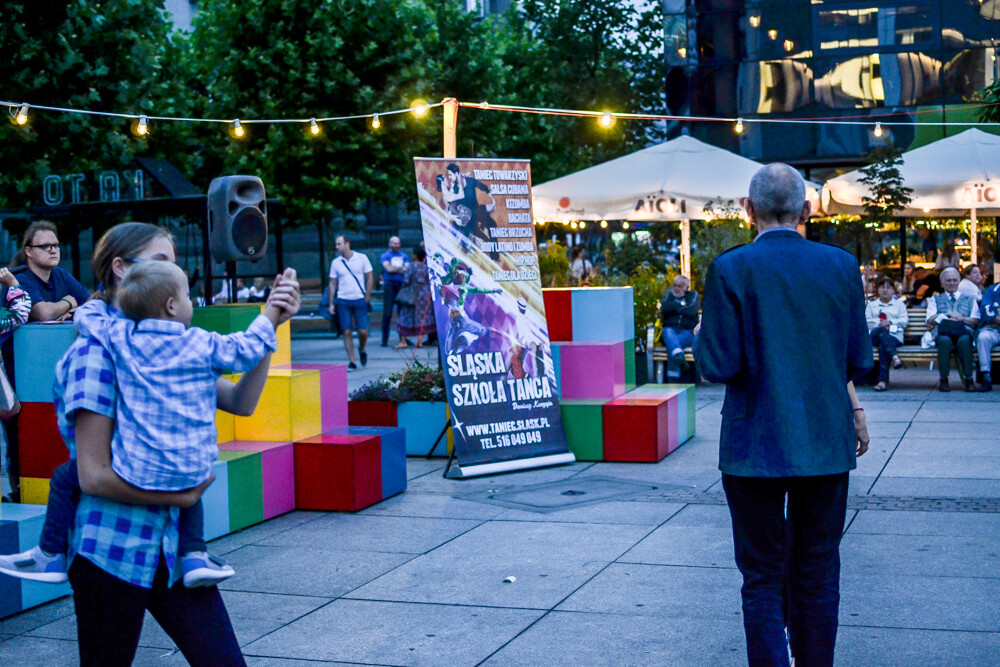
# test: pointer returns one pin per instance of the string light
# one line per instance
(789, 45)
(419, 108)
(604, 224)
(739, 126)
(314, 127)
(376, 123)
(754, 21)
(625, 225)
(484, 105)
(572, 225)
(772, 34)
(682, 52)
(607, 120)
(878, 129)
(238, 130)
(583, 225)
(22, 115)
(142, 127)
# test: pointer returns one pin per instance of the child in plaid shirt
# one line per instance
(165, 435)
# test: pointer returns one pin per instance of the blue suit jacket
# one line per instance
(783, 326)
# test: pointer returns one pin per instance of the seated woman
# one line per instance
(54, 292)
(886, 318)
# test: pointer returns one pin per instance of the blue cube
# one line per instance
(603, 314)
(37, 348)
(393, 450)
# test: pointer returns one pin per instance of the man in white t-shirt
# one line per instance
(351, 281)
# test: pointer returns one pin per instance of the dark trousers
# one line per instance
(389, 292)
(64, 496)
(790, 567)
(886, 344)
(109, 615)
(963, 346)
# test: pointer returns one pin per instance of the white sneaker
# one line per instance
(35, 565)
(204, 569)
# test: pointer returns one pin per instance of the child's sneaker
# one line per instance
(204, 569)
(35, 565)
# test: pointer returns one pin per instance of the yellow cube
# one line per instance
(34, 491)
(289, 409)
(284, 353)
(225, 425)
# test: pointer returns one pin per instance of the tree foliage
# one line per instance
(886, 192)
(991, 96)
(104, 56)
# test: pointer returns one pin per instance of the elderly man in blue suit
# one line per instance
(783, 326)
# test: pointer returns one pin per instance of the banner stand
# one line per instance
(447, 425)
(463, 472)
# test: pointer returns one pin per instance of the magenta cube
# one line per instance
(277, 461)
(591, 370)
(332, 392)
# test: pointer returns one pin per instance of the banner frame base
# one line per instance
(463, 472)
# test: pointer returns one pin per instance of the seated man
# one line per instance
(989, 335)
(54, 292)
(679, 315)
(953, 316)
(925, 286)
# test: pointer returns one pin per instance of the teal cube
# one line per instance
(215, 502)
(37, 349)
(423, 422)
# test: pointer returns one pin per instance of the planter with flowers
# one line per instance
(412, 399)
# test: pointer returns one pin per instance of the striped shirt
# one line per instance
(165, 437)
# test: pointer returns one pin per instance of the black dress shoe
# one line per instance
(970, 385)
(943, 385)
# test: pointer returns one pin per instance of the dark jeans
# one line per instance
(64, 496)
(389, 292)
(960, 344)
(109, 615)
(886, 344)
(797, 557)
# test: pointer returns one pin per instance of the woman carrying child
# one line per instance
(125, 538)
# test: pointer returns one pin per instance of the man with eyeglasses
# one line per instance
(54, 292)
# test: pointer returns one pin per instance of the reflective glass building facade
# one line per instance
(914, 59)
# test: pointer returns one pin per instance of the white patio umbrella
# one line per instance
(670, 181)
(948, 177)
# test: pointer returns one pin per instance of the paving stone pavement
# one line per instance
(640, 579)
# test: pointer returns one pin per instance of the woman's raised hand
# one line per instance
(285, 295)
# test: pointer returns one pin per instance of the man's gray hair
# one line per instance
(951, 269)
(777, 193)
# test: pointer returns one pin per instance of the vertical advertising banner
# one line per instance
(482, 258)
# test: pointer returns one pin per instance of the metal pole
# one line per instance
(902, 246)
(974, 239)
(686, 248)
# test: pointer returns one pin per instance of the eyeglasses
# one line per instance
(45, 247)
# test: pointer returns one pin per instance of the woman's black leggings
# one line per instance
(109, 614)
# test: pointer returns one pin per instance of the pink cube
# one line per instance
(332, 392)
(591, 370)
(277, 473)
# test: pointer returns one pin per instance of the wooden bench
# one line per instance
(910, 351)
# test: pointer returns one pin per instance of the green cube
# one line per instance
(629, 365)
(246, 488)
(582, 421)
(226, 319)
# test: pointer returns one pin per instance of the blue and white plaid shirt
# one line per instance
(165, 437)
(123, 540)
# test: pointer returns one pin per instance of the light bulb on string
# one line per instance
(878, 129)
(484, 105)
(583, 225)
(22, 115)
(607, 120)
(604, 224)
(754, 21)
(739, 126)
(772, 34)
(376, 123)
(314, 127)
(625, 225)
(142, 127)
(238, 130)
(419, 108)
(572, 225)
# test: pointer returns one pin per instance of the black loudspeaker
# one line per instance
(237, 218)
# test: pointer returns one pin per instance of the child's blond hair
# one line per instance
(146, 286)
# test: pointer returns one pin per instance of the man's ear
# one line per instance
(806, 212)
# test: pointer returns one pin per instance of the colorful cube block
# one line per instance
(289, 408)
(629, 351)
(372, 413)
(10, 588)
(559, 313)
(20, 529)
(423, 422)
(37, 348)
(392, 444)
(557, 367)
(215, 502)
(246, 489)
(277, 460)
(638, 429)
(40, 446)
(582, 421)
(338, 472)
(591, 370)
(684, 394)
(332, 393)
(230, 318)
(35, 490)
(603, 314)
